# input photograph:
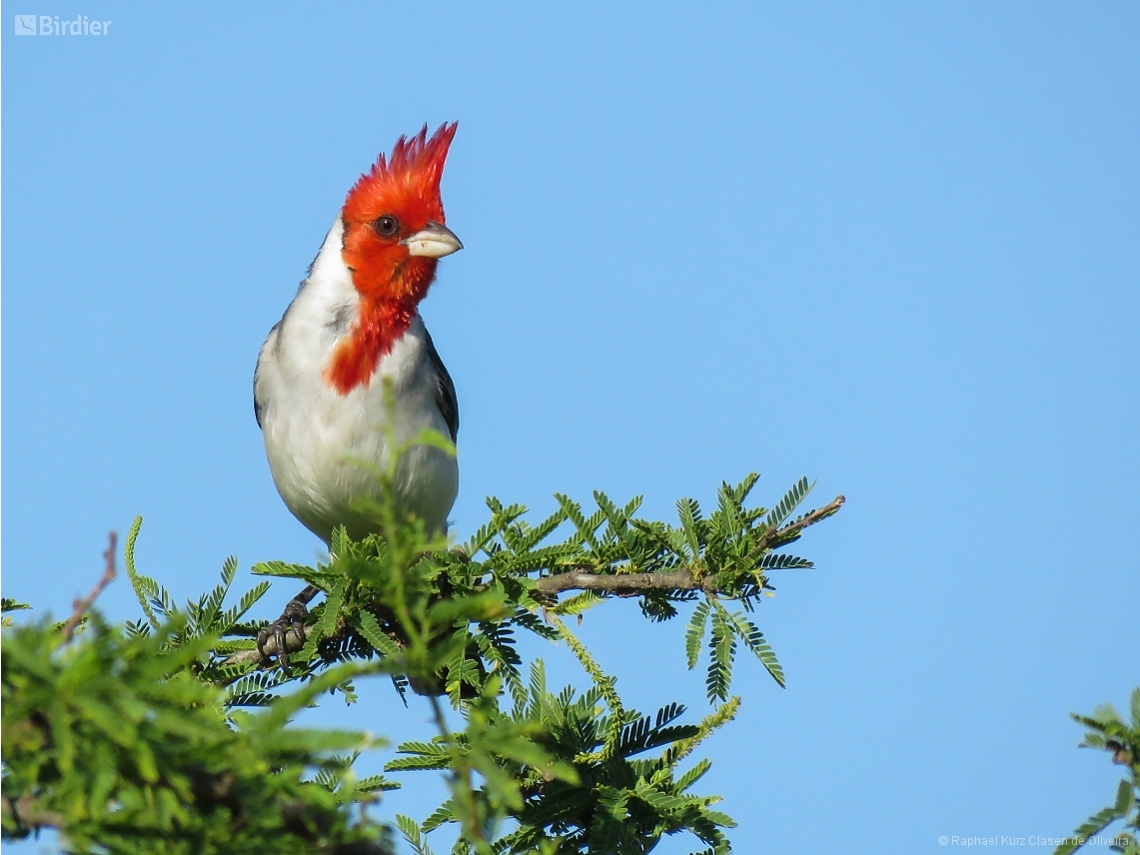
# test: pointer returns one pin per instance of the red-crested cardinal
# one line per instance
(318, 389)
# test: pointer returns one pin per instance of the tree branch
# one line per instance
(619, 583)
(583, 579)
(25, 813)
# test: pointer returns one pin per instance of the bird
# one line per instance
(352, 328)
(351, 366)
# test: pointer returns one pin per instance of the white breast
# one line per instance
(323, 447)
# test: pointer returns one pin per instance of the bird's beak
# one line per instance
(434, 241)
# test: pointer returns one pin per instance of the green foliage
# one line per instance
(453, 616)
(120, 737)
(10, 605)
(117, 742)
(1108, 731)
(571, 788)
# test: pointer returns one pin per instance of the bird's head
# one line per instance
(394, 234)
(393, 219)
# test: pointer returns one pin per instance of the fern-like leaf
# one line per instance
(412, 834)
(753, 639)
(142, 590)
(695, 633)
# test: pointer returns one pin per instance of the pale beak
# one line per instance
(435, 241)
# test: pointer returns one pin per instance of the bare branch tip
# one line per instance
(82, 606)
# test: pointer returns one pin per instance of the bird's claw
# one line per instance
(293, 618)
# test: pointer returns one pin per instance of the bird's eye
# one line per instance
(386, 226)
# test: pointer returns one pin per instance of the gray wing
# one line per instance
(258, 401)
(444, 389)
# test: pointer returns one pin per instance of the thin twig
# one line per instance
(781, 536)
(461, 779)
(81, 606)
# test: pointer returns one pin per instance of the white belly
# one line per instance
(327, 462)
(327, 451)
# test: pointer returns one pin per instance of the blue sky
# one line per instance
(892, 247)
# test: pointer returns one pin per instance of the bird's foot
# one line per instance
(274, 639)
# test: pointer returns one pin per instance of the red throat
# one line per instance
(380, 324)
(403, 187)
